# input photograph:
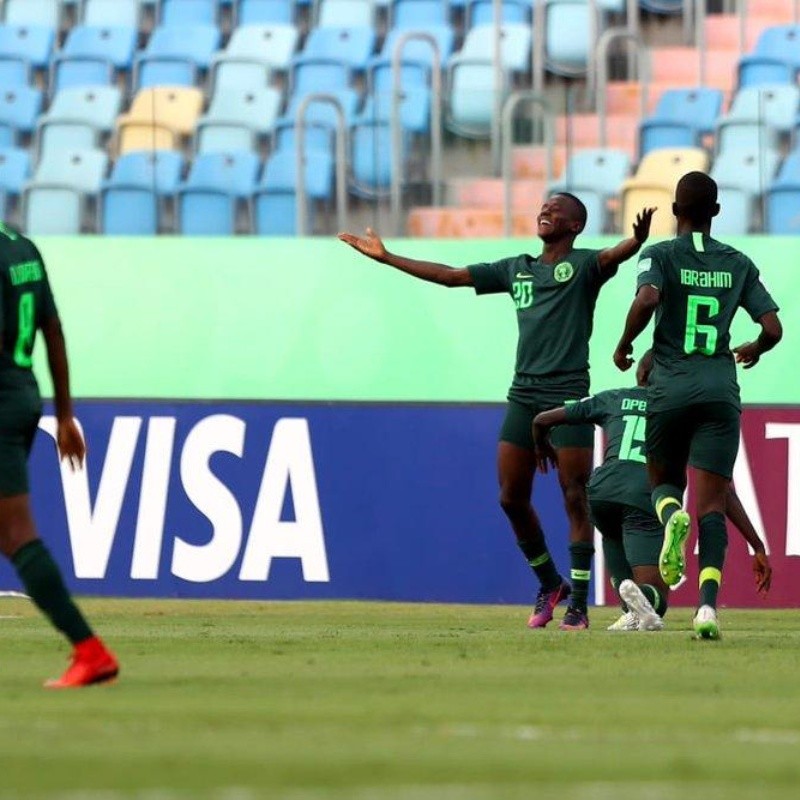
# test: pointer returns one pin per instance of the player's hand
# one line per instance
(70, 443)
(622, 356)
(644, 368)
(762, 570)
(641, 228)
(543, 451)
(748, 354)
(369, 244)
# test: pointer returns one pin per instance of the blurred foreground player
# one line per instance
(27, 305)
(554, 294)
(695, 284)
(620, 505)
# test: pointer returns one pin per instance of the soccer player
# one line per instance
(695, 284)
(27, 305)
(554, 294)
(620, 505)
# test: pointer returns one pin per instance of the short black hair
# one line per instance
(696, 197)
(582, 214)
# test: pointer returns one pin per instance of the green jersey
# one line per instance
(555, 311)
(622, 413)
(702, 283)
(26, 302)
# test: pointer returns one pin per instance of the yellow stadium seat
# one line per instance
(172, 109)
(133, 136)
(635, 197)
(665, 167)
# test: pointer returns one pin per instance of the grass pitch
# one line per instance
(365, 701)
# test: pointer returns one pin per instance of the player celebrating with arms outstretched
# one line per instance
(695, 285)
(555, 295)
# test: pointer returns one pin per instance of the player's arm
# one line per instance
(609, 260)
(373, 247)
(542, 423)
(68, 437)
(738, 516)
(644, 368)
(771, 333)
(640, 314)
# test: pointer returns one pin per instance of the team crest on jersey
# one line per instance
(563, 271)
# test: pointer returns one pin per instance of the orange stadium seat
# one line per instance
(625, 97)
(680, 66)
(722, 30)
(457, 223)
(488, 193)
(531, 161)
(583, 130)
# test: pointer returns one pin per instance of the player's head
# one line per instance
(562, 216)
(696, 199)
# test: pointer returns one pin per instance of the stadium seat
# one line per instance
(782, 200)
(776, 58)
(188, 12)
(207, 202)
(112, 13)
(490, 193)
(481, 12)
(420, 51)
(33, 12)
(253, 51)
(774, 106)
(64, 135)
(597, 171)
(567, 54)
(742, 177)
(318, 75)
(14, 71)
(158, 118)
(352, 45)
(160, 170)
(346, 13)
(467, 223)
(174, 54)
(515, 47)
(260, 12)
(372, 157)
(20, 108)
(662, 6)
(33, 43)
(418, 14)
(583, 131)
(15, 168)
(236, 118)
(681, 118)
(52, 211)
(416, 96)
(108, 45)
(743, 134)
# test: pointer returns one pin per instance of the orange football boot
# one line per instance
(91, 663)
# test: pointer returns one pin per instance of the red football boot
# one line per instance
(91, 663)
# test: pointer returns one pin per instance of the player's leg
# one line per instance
(38, 572)
(713, 456)
(669, 436)
(574, 469)
(516, 468)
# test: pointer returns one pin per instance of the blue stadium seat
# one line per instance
(741, 175)
(236, 118)
(481, 12)
(776, 58)
(323, 114)
(662, 6)
(318, 75)
(20, 108)
(601, 171)
(188, 12)
(207, 202)
(91, 55)
(419, 51)
(14, 71)
(112, 13)
(419, 14)
(681, 118)
(97, 106)
(775, 106)
(160, 169)
(371, 158)
(415, 105)
(33, 12)
(34, 43)
(567, 54)
(347, 13)
(259, 12)
(129, 211)
(515, 46)
(737, 134)
(175, 54)
(63, 135)
(783, 198)
(317, 137)
(352, 45)
(15, 169)
(253, 51)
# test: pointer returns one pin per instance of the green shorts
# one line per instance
(20, 410)
(641, 533)
(703, 435)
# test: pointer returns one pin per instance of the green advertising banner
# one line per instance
(310, 319)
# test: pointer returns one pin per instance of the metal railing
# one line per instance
(601, 74)
(301, 194)
(396, 193)
(510, 106)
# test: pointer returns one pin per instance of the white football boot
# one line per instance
(641, 606)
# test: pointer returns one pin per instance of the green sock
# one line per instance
(580, 556)
(43, 582)
(657, 600)
(541, 563)
(617, 565)
(667, 499)
(713, 543)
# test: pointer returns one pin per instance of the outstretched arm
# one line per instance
(640, 314)
(371, 246)
(610, 259)
(544, 453)
(771, 333)
(738, 516)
